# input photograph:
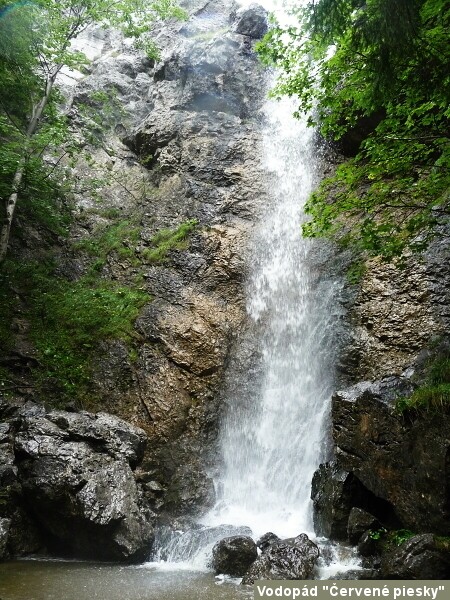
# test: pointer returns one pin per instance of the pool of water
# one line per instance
(58, 580)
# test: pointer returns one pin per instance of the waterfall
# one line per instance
(274, 432)
(273, 435)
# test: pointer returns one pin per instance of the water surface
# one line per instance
(57, 580)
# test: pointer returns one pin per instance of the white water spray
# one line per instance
(272, 442)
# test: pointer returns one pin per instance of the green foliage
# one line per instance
(434, 395)
(102, 112)
(168, 239)
(356, 271)
(68, 321)
(400, 535)
(429, 398)
(394, 537)
(385, 61)
(377, 534)
(111, 239)
(120, 239)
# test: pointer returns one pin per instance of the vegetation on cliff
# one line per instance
(36, 45)
(58, 320)
(375, 75)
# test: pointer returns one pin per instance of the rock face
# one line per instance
(395, 314)
(251, 21)
(287, 559)
(233, 555)
(186, 146)
(179, 143)
(360, 521)
(5, 525)
(74, 480)
(332, 491)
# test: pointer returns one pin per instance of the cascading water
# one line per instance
(272, 442)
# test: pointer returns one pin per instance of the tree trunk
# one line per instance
(11, 203)
(10, 208)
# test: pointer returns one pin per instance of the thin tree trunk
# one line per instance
(10, 208)
(11, 203)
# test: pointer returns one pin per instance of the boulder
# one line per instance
(78, 484)
(368, 545)
(266, 540)
(287, 559)
(182, 538)
(355, 575)
(251, 21)
(234, 555)
(359, 521)
(420, 557)
(333, 493)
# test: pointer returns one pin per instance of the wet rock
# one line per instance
(333, 493)
(368, 545)
(233, 555)
(356, 574)
(267, 540)
(79, 486)
(286, 559)
(420, 557)
(359, 521)
(183, 538)
(402, 462)
(5, 525)
(25, 537)
(119, 439)
(190, 490)
(251, 21)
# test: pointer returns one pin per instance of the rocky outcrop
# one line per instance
(360, 521)
(402, 462)
(333, 491)
(287, 559)
(266, 540)
(420, 557)
(251, 21)
(72, 478)
(5, 525)
(395, 314)
(390, 472)
(233, 555)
